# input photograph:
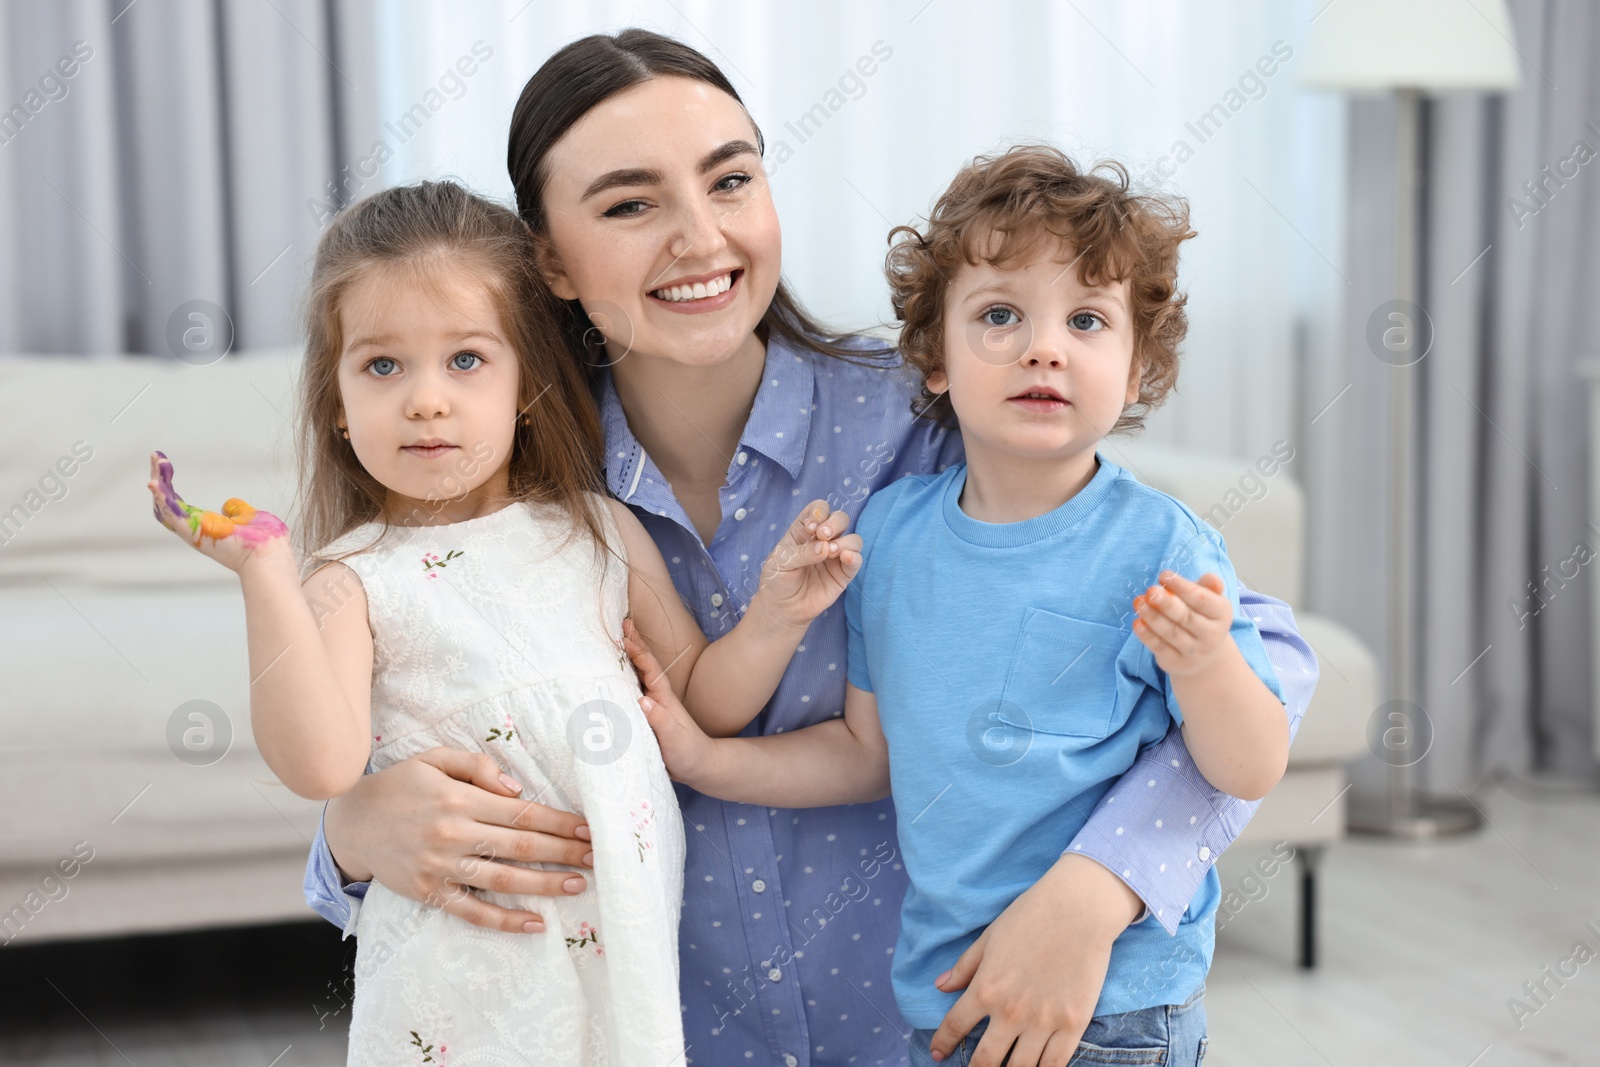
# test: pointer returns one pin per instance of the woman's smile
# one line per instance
(701, 293)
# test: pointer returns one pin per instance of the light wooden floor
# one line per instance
(1421, 948)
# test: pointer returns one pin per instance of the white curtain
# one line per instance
(949, 80)
(165, 151)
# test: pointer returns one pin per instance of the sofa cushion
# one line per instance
(80, 432)
(97, 738)
(1335, 725)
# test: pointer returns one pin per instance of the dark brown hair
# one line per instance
(413, 233)
(583, 75)
(1011, 203)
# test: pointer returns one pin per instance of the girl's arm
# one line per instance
(310, 717)
(1233, 725)
(838, 761)
(727, 682)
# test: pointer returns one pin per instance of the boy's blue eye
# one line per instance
(455, 361)
(383, 366)
(996, 316)
(1087, 321)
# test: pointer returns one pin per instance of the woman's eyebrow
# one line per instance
(724, 152)
(627, 176)
(611, 179)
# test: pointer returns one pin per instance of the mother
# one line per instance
(637, 166)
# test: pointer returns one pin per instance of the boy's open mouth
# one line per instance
(1040, 399)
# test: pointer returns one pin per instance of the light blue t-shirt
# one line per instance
(1013, 694)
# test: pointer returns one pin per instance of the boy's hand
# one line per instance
(810, 566)
(232, 538)
(685, 748)
(1184, 623)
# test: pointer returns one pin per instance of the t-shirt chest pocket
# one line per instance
(1063, 674)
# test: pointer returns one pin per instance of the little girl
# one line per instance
(467, 586)
(1002, 674)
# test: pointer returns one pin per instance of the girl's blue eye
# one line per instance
(995, 316)
(455, 360)
(739, 179)
(382, 366)
(619, 212)
(1087, 321)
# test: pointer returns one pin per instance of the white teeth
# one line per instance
(697, 291)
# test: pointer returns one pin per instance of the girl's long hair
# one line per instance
(419, 235)
(586, 73)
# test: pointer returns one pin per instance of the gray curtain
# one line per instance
(1511, 282)
(169, 151)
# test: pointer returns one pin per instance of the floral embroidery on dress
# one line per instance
(643, 817)
(431, 561)
(590, 935)
(503, 732)
(426, 1051)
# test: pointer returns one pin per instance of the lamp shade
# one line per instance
(1411, 44)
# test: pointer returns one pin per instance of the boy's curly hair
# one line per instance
(1011, 203)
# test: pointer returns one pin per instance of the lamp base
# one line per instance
(1420, 820)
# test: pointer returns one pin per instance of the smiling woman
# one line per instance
(639, 173)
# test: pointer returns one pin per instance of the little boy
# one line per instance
(1023, 624)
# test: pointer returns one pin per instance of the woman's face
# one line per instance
(661, 222)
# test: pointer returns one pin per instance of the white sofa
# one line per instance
(110, 626)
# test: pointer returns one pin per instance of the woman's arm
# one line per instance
(726, 683)
(310, 719)
(839, 761)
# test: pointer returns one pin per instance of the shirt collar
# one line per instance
(779, 425)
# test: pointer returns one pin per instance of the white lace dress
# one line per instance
(486, 637)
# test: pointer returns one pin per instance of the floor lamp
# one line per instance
(1407, 47)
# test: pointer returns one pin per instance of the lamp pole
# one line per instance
(1406, 813)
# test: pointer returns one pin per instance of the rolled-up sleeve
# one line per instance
(327, 893)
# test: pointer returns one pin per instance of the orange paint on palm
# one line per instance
(215, 526)
(238, 510)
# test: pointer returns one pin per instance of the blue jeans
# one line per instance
(1171, 1034)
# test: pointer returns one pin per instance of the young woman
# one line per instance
(724, 407)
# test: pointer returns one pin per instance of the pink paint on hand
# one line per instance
(237, 519)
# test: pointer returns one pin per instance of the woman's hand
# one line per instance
(1184, 623)
(232, 538)
(439, 825)
(809, 567)
(1038, 969)
(685, 748)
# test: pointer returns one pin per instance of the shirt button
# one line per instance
(740, 514)
(743, 458)
(774, 974)
(789, 1060)
(716, 600)
(759, 886)
(1205, 853)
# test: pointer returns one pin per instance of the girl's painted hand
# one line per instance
(685, 748)
(1184, 623)
(232, 538)
(810, 566)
